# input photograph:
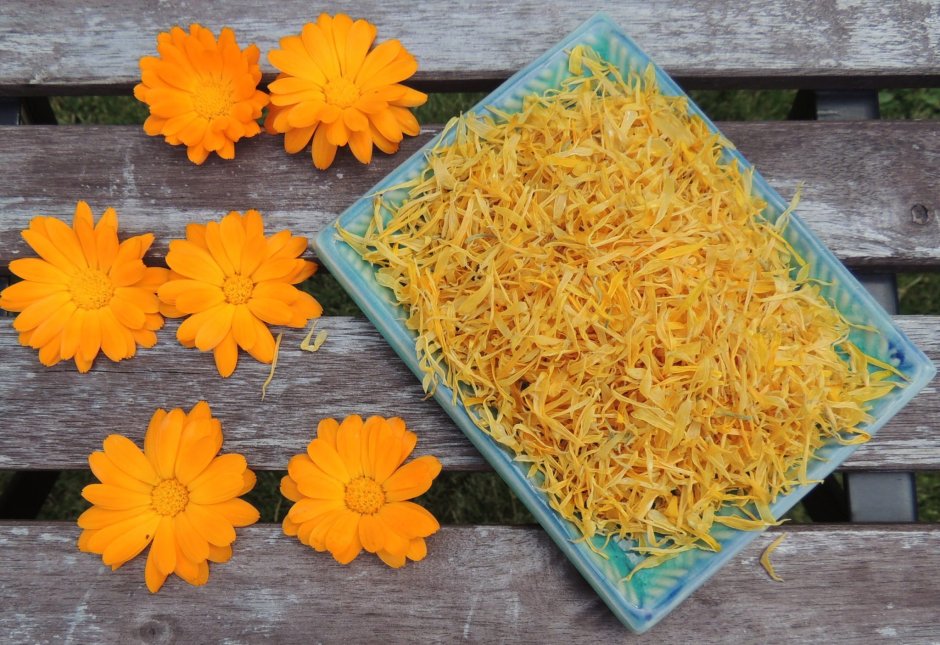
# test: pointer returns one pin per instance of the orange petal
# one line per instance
(412, 479)
(237, 512)
(192, 545)
(243, 327)
(323, 151)
(289, 489)
(220, 481)
(417, 550)
(312, 481)
(361, 145)
(109, 473)
(128, 457)
(307, 510)
(210, 525)
(407, 518)
(216, 327)
(371, 533)
(326, 458)
(327, 428)
(164, 547)
(342, 539)
(115, 498)
(131, 542)
(189, 260)
(152, 574)
(165, 443)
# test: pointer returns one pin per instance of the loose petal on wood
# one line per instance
(761, 43)
(860, 180)
(55, 417)
(482, 584)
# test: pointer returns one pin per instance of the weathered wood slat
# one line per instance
(484, 584)
(860, 182)
(55, 417)
(761, 43)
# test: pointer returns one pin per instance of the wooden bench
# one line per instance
(870, 193)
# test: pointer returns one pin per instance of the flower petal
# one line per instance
(407, 518)
(220, 481)
(412, 479)
(190, 541)
(164, 546)
(342, 539)
(131, 542)
(210, 525)
(237, 512)
(325, 457)
(114, 498)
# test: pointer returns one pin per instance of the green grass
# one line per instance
(483, 497)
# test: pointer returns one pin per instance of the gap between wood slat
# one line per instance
(55, 417)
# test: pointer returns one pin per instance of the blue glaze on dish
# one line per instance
(654, 592)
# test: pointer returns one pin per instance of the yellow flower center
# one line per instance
(341, 93)
(237, 289)
(364, 496)
(213, 98)
(169, 497)
(91, 289)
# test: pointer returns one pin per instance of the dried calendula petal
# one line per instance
(267, 381)
(594, 280)
(765, 558)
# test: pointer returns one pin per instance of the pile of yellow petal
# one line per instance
(599, 288)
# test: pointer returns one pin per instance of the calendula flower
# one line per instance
(232, 281)
(176, 496)
(334, 90)
(85, 292)
(350, 491)
(202, 92)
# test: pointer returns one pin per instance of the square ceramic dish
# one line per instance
(651, 593)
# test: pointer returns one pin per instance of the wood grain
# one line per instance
(55, 417)
(762, 43)
(860, 181)
(483, 584)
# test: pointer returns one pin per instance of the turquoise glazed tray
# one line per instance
(653, 592)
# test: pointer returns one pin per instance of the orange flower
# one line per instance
(202, 93)
(334, 90)
(88, 292)
(175, 495)
(351, 490)
(230, 280)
